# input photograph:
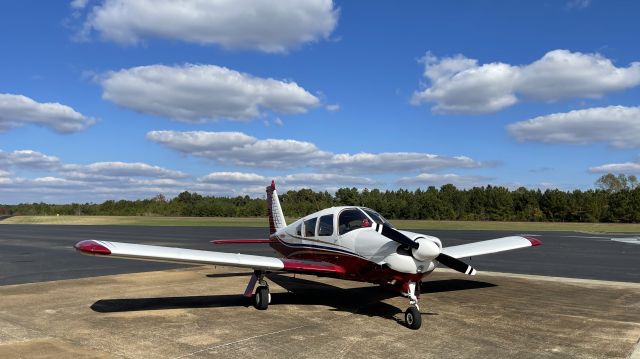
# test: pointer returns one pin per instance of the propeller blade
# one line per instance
(394, 235)
(456, 264)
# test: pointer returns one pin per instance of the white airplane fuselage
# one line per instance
(364, 253)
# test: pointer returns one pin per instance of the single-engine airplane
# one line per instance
(349, 242)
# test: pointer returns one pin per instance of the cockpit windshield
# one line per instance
(376, 216)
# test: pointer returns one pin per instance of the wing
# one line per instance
(490, 246)
(193, 256)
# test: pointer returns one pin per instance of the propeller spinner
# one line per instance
(423, 249)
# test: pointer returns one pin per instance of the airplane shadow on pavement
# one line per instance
(300, 292)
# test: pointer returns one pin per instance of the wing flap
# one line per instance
(299, 266)
(177, 255)
(490, 246)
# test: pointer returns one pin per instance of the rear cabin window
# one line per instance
(310, 227)
(350, 219)
(325, 228)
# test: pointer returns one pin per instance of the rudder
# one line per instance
(276, 217)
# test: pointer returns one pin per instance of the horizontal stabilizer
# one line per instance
(490, 246)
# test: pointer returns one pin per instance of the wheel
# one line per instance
(261, 298)
(413, 318)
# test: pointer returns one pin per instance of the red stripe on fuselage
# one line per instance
(356, 268)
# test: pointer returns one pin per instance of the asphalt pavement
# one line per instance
(37, 253)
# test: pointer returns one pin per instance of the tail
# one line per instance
(276, 217)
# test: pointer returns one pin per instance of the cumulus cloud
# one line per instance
(201, 93)
(433, 179)
(121, 169)
(625, 167)
(461, 85)
(324, 179)
(75, 182)
(233, 178)
(240, 149)
(27, 159)
(19, 110)
(387, 162)
(253, 24)
(618, 126)
(254, 184)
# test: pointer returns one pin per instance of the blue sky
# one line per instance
(128, 99)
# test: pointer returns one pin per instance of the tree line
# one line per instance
(615, 199)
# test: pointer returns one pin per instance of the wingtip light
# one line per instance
(534, 241)
(91, 247)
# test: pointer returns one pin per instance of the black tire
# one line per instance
(261, 298)
(413, 318)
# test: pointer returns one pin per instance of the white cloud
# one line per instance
(324, 180)
(333, 107)
(201, 93)
(618, 126)
(240, 149)
(233, 178)
(27, 159)
(19, 110)
(79, 4)
(432, 179)
(387, 162)
(625, 167)
(252, 24)
(121, 169)
(460, 85)
(85, 183)
(255, 184)
(578, 4)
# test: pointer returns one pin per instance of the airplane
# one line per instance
(348, 242)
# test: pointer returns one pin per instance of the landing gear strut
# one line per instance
(262, 297)
(412, 316)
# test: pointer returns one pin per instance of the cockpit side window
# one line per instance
(376, 216)
(325, 228)
(351, 219)
(299, 229)
(310, 227)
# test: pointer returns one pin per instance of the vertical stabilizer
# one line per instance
(276, 217)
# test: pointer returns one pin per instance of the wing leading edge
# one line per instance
(193, 256)
(490, 246)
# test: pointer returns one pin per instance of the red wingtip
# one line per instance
(534, 241)
(91, 247)
(273, 184)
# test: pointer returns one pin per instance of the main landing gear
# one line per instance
(262, 297)
(412, 316)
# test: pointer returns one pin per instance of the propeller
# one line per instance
(455, 264)
(445, 259)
